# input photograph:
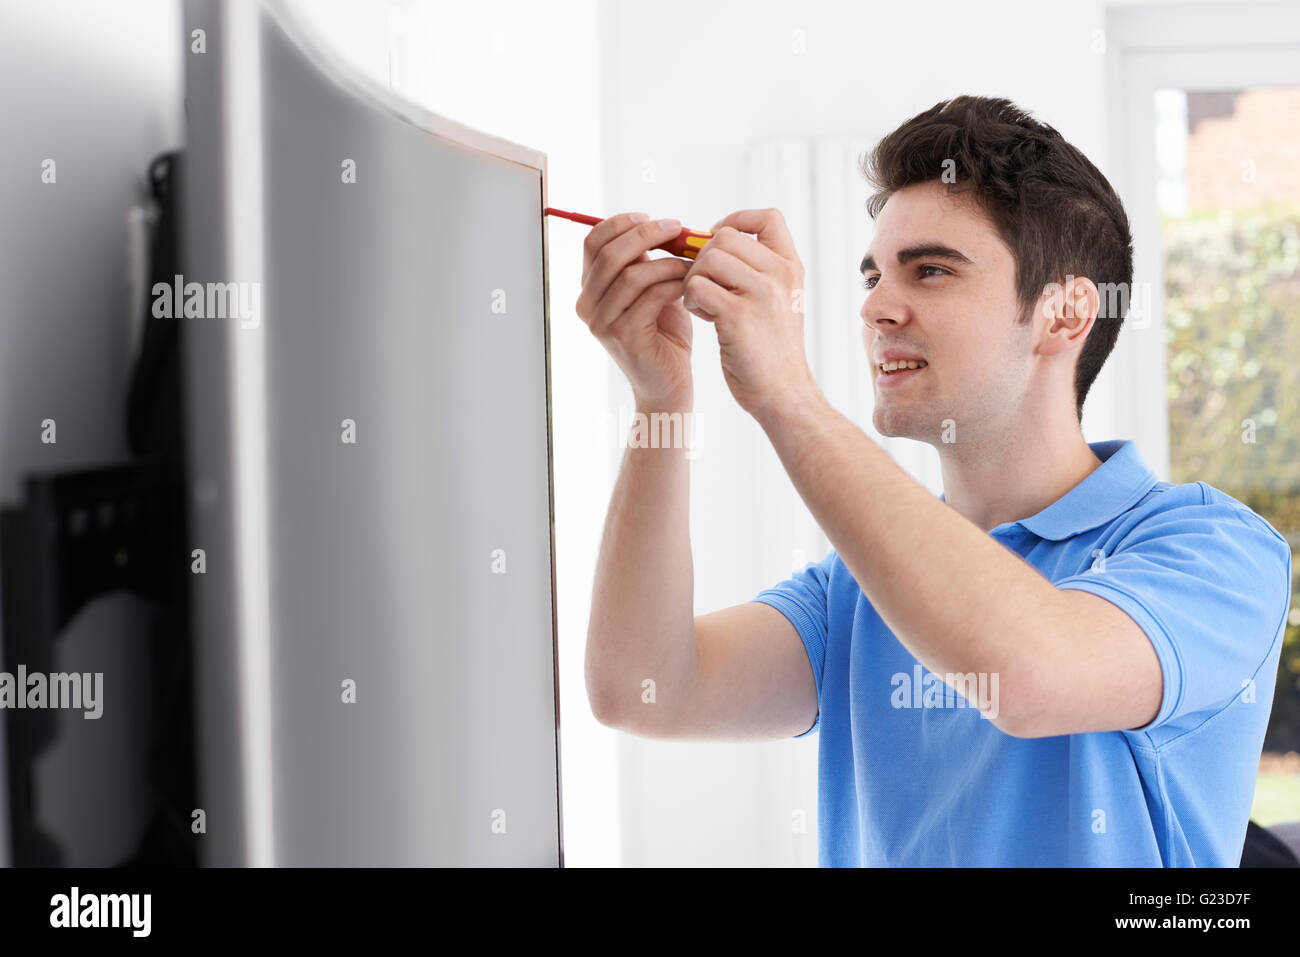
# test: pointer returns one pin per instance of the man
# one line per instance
(1062, 660)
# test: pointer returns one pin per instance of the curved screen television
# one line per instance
(365, 340)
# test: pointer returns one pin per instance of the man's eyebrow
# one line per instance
(921, 251)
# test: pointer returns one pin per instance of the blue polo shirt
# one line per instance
(909, 775)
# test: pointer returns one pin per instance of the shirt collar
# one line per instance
(1111, 489)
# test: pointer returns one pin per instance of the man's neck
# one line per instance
(1015, 475)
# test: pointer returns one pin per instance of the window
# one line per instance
(1228, 189)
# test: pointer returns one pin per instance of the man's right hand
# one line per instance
(633, 305)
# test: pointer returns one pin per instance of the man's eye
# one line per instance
(924, 273)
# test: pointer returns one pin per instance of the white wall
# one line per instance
(96, 88)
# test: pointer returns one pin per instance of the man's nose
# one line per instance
(881, 308)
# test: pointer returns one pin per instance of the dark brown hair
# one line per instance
(1048, 202)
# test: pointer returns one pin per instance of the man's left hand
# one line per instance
(751, 289)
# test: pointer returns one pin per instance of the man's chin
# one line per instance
(891, 425)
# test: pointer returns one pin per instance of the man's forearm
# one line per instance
(643, 597)
(959, 601)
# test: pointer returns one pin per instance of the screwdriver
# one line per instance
(686, 244)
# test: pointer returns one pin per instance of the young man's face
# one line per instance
(942, 289)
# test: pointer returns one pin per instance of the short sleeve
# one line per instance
(802, 598)
(1210, 584)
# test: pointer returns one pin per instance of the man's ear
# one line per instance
(1070, 308)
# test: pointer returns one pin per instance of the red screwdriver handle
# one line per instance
(687, 243)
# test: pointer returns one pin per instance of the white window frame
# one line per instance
(1225, 46)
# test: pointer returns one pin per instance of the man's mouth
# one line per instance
(893, 368)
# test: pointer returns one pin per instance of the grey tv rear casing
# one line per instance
(412, 302)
